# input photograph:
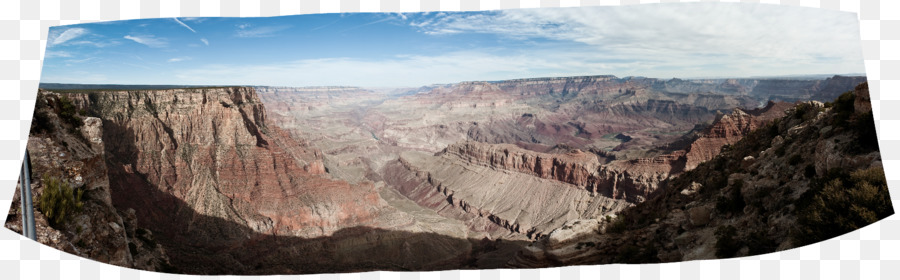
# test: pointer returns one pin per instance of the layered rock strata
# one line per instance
(488, 198)
(751, 199)
(73, 154)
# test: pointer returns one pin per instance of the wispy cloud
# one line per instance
(185, 25)
(148, 40)
(95, 43)
(66, 35)
(57, 53)
(249, 31)
(370, 23)
(195, 19)
(178, 59)
(83, 60)
(205, 42)
(688, 33)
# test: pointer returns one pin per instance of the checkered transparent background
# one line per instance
(870, 253)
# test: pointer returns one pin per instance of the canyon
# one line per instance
(482, 174)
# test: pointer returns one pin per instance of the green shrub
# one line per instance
(864, 130)
(68, 112)
(843, 109)
(618, 225)
(40, 122)
(842, 203)
(806, 111)
(59, 200)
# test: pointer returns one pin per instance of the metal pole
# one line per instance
(28, 207)
(22, 200)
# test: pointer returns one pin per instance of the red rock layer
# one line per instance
(728, 129)
(632, 180)
(174, 154)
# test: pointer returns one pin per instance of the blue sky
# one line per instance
(413, 49)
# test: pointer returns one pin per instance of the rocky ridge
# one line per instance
(772, 190)
(220, 187)
(73, 153)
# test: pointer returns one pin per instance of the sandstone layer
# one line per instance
(770, 191)
(73, 154)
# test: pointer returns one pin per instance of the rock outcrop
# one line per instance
(71, 152)
(796, 180)
(222, 189)
(631, 180)
(501, 203)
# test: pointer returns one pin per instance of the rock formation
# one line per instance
(790, 182)
(333, 179)
(72, 153)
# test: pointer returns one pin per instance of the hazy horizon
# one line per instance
(681, 40)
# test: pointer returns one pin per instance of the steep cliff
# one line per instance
(67, 152)
(501, 203)
(214, 149)
(222, 189)
(808, 176)
(630, 180)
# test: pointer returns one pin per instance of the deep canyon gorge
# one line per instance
(484, 174)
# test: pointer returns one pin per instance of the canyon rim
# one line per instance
(453, 140)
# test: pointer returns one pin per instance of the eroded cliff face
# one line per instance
(73, 155)
(785, 184)
(221, 186)
(213, 150)
(728, 129)
(500, 203)
(630, 180)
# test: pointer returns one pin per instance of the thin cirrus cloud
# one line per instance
(185, 25)
(148, 40)
(67, 35)
(686, 40)
(250, 31)
(178, 59)
(752, 35)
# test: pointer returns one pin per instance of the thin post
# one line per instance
(27, 205)
(22, 200)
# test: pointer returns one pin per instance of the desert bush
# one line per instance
(843, 109)
(806, 111)
(68, 113)
(863, 126)
(40, 122)
(618, 225)
(59, 200)
(842, 203)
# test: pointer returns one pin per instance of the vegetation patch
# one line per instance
(58, 201)
(840, 203)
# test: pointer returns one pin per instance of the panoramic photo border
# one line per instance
(869, 253)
